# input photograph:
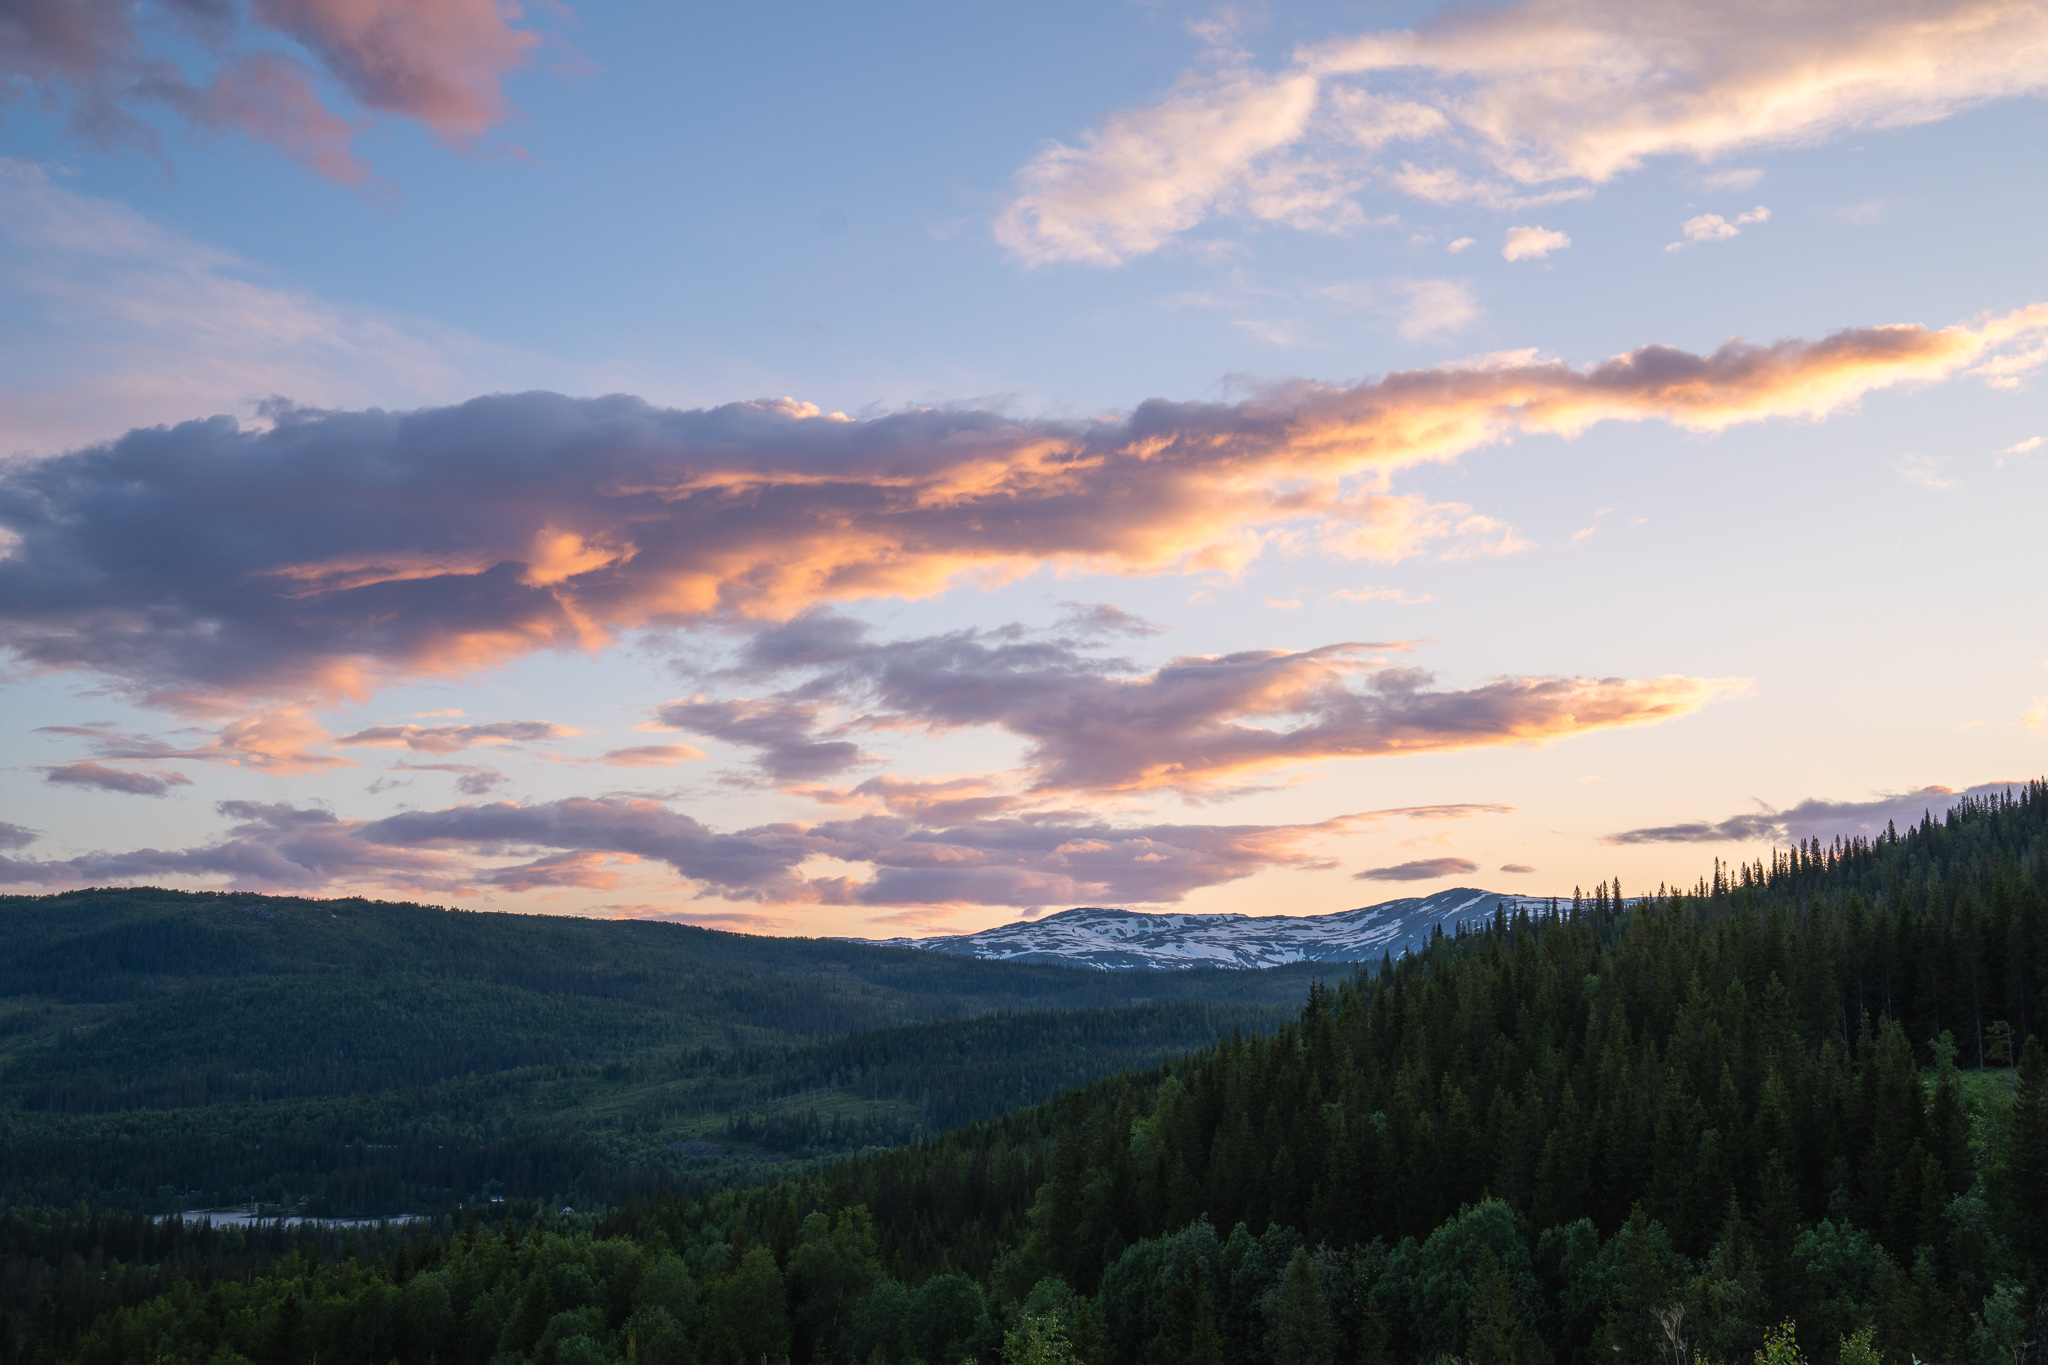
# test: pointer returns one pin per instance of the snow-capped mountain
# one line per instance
(1125, 940)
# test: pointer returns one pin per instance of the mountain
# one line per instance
(1127, 941)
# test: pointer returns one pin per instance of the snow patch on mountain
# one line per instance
(1127, 940)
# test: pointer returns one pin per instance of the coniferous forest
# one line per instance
(1797, 1110)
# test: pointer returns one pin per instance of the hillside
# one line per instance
(1801, 1101)
(171, 1047)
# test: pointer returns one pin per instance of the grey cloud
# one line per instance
(1814, 818)
(470, 779)
(1198, 723)
(102, 778)
(1042, 859)
(272, 846)
(1102, 618)
(1520, 869)
(16, 836)
(1421, 870)
(780, 731)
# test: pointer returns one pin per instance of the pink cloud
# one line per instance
(651, 755)
(448, 739)
(1096, 726)
(440, 62)
(111, 63)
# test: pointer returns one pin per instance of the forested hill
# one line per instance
(1810, 1092)
(168, 1048)
(1756, 1100)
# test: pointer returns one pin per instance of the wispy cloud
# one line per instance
(1925, 471)
(99, 777)
(1812, 818)
(1421, 870)
(651, 755)
(2026, 447)
(448, 739)
(108, 322)
(1095, 726)
(1528, 103)
(1050, 858)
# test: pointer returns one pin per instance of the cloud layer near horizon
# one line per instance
(1815, 818)
(110, 65)
(1039, 859)
(205, 568)
(1518, 106)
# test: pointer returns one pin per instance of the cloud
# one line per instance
(1419, 308)
(278, 741)
(2036, 717)
(1093, 725)
(650, 755)
(1532, 243)
(100, 777)
(205, 567)
(1532, 101)
(1455, 247)
(16, 836)
(273, 846)
(113, 66)
(782, 734)
(2026, 447)
(1712, 227)
(1050, 858)
(1812, 818)
(1422, 870)
(1734, 178)
(1925, 471)
(1099, 619)
(108, 322)
(1148, 175)
(1433, 307)
(1519, 869)
(1381, 594)
(448, 739)
(471, 780)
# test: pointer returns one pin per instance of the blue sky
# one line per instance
(1407, 585)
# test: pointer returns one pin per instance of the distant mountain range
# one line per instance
(1128, 941)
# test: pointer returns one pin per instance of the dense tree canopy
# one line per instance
(1799, 1107)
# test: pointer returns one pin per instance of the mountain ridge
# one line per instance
(1115, 940)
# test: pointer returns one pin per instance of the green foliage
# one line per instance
(438, 1055)
(1615, 1132)
(1781, 1347)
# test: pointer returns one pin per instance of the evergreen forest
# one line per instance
(1795, 1111)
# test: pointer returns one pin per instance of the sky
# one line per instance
(898, 472)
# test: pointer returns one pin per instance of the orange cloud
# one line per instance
(340, 551)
